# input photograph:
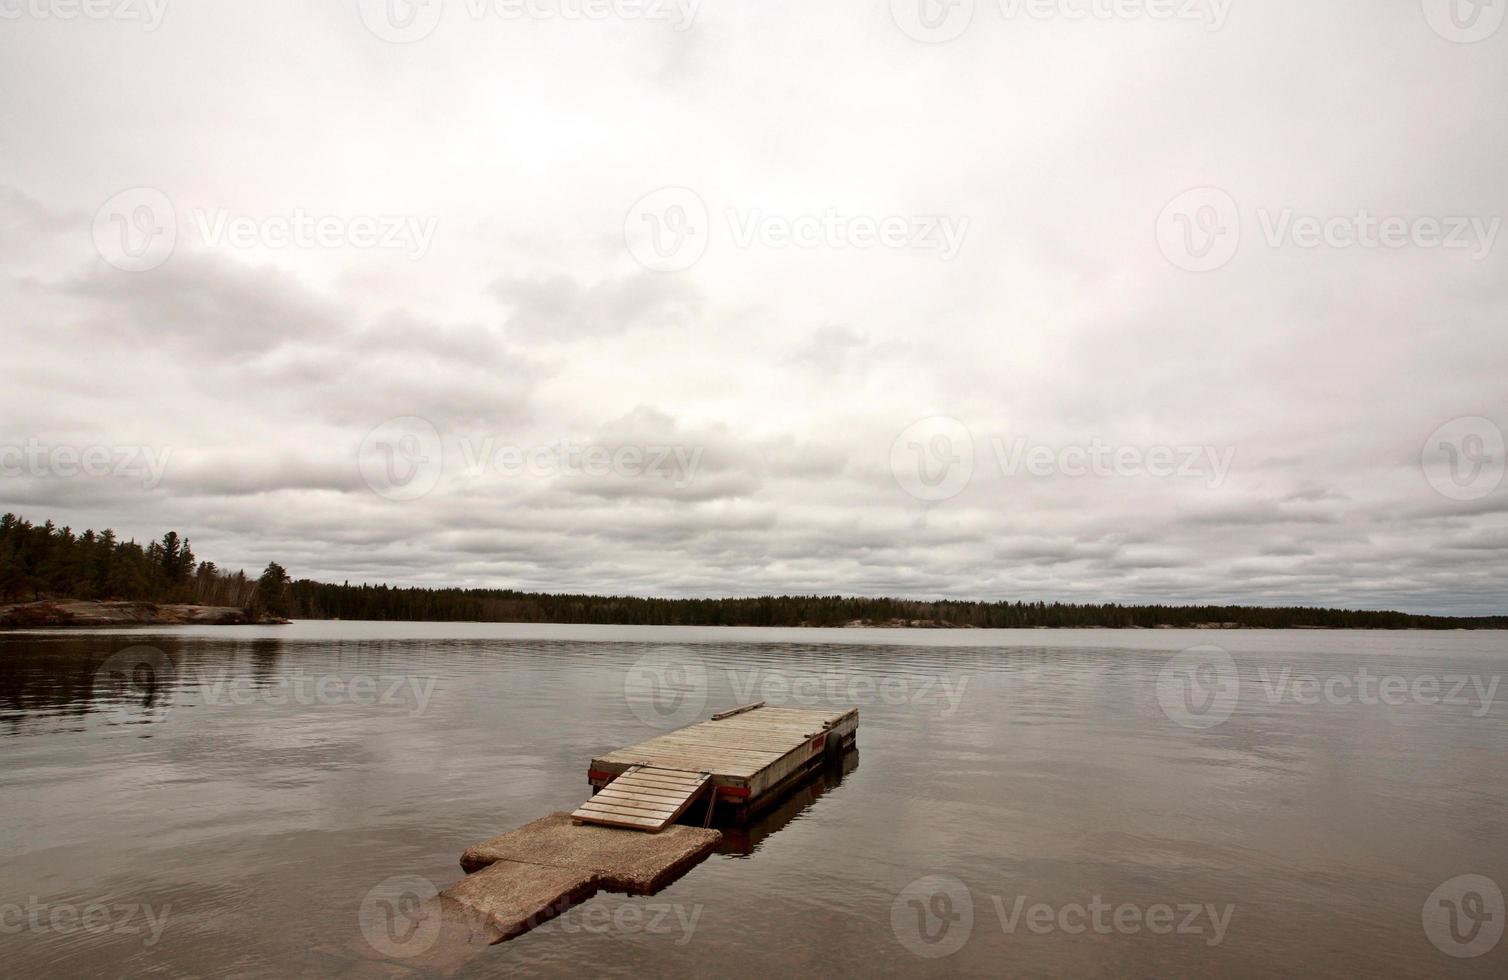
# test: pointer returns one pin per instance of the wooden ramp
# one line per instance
(643, 798)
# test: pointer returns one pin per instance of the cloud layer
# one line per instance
(682, 326)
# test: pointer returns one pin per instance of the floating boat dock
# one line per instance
(625, 838)
(741, 761)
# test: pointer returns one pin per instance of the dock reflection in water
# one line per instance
(744, 839)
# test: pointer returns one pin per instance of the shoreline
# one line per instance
(74, 614)
(64, 614)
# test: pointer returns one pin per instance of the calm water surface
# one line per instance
(230, 817)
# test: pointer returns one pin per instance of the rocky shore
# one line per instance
(65, 613)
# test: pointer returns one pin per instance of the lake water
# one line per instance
(223, 801)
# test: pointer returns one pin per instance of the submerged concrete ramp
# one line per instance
(527, 876)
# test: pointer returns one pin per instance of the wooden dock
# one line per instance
(625, 838)
(748, 757)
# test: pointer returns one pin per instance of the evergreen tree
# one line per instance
(270, 597)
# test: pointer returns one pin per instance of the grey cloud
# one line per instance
(831, 349)
(212, 306)
(561, 307)
(231, 474)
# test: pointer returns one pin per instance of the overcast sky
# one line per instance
(988, 300)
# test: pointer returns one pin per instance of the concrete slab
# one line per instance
(508, 898)
(618, 860)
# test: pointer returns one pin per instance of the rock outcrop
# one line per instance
(62, 613)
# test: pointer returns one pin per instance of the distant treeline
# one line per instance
(48, 562)
(318, 600)
(44, 561)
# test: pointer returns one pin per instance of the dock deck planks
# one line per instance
(747, 751)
